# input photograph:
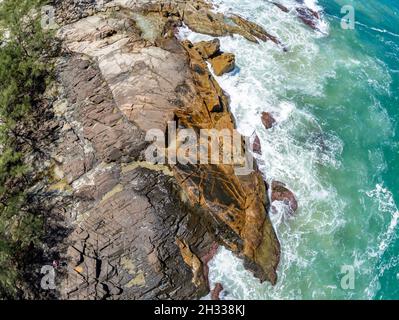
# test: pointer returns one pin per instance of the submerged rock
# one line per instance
(308, 16)
(279, 192)
(281, 7)
(268, 120)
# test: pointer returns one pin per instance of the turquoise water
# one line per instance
(335, 95)
(366, 120)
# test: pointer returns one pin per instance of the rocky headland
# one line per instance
(136, 230)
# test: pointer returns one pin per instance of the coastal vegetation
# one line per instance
(25, 52)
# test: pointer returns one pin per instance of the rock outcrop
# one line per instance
(307, 15)
(210, 51)
(256, 31)
(280, 192)
(141, 230)
(256, 145)
(223, 63)
(267, 120)
(217, 290)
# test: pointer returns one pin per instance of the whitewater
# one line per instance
(331, 147)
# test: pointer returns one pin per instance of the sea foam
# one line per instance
(296, 151)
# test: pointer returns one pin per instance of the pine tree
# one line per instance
(25, 71)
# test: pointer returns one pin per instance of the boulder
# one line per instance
(308, 16)
(256, 145)
(208, 49)
(223, 63)
(268, 120)
(281, 193)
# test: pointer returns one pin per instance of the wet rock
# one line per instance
(239, 202)
(257, 31)
(308, 16)
(215, 293)
(223, 63)
(256, 145)
(200, 18)
(207, 258)
(268, 120)
(281, 7)
(280, 192)
(208, 49)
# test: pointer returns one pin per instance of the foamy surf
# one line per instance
(298, 151)
(386, 205)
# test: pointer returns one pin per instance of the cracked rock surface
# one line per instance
(140, 230)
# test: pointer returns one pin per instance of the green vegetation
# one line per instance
(25, 71)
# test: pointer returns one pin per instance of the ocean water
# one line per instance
(335, 95)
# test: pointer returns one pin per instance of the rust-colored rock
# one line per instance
(256, 145)
(268, 120)
(138, 230)
(217, 290)
(223, 63)
(207, 258)
(281, 193)
(238, 202)
(208, 49)
(194, 263)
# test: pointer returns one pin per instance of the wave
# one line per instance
(292, 152)
(383, 197)
(298, 151)
(378, 30)
(386, 204)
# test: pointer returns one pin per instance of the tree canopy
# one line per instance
(25, 71)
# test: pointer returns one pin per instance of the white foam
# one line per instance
(292, 152)
(386, 204)
(265, 74)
